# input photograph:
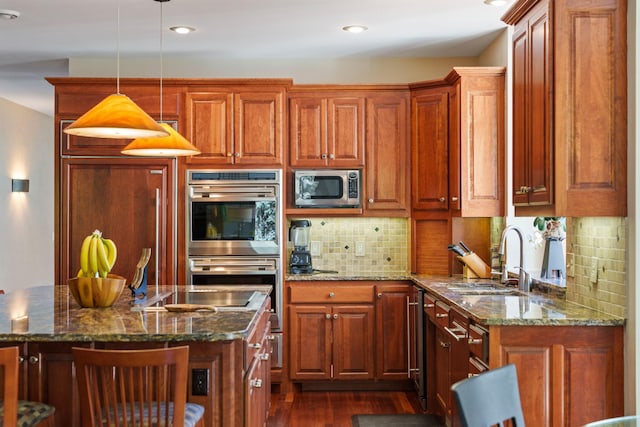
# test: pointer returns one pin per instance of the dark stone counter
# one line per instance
(53, 315)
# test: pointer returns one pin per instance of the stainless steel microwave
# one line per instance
(327, 188)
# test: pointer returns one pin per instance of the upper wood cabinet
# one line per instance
(236, 126)
(458, 144)
(387, 147)
(570, 107)
(430, 148)
(326, 129)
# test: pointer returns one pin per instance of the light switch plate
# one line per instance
(359, 248)
(571, 267)
(593, 272)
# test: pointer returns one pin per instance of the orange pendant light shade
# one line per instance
(116, 116)
(168, 146)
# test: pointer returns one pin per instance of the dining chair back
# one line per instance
(14, 412)
(135, 387)
(490, 398)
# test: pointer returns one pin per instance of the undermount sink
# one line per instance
(482, 289)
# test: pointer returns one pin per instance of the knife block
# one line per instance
(473, 267)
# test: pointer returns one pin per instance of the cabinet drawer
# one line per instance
(479, 342)
(430, 306)
(476, 366)
(442, 314)
(331, 294)
(256, 341)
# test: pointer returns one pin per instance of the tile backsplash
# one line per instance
(384, 243)
(596, 263)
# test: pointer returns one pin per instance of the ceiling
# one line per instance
(48, 33)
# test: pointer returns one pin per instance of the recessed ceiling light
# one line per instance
(355, 28)
(182, 29)
(9, 14)
(496, 2)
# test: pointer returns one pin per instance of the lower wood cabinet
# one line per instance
(567, 375)
(347, 330)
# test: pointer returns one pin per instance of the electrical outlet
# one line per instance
(593, 272)
(359, 248)
(316, 248)
(199, 382)
(571, 267)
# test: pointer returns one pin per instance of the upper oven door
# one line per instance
(233, 220)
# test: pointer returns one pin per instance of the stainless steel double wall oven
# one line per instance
(233, 233)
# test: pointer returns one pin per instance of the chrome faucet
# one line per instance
(524, 278)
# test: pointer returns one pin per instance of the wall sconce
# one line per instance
(20, 325)
(19, 185)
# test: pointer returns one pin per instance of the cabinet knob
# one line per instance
(335, 316)
(228, 154)
(264, 356)
(20, 359)
(271, 337)
(454, 199)
(323, 156)
(370, 200)
(33, 360)
(442, 199)
(328, 316)
(257, 346)
(444, 344)
(331, 294)
(525, 189)
(331, 156)
(256, 383)
(379, 295)
(237, 154)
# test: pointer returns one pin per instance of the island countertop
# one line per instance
(49, 313)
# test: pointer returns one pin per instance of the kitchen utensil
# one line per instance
(142, 263)
(465, 247)
(456, 249)
(185, 308)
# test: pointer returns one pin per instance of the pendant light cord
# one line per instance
(118, 50)
(161, 61)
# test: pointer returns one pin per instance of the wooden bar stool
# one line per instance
(21, 413)
(135, 387)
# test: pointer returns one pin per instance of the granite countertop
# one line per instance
(544, 306)
(53, 315)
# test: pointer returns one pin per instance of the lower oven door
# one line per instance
(242, 270)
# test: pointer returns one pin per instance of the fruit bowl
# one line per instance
(96, 291)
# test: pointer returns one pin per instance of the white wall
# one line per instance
(26, 219)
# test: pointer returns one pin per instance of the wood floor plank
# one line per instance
(335, 408)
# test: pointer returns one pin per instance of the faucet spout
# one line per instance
(523, 281)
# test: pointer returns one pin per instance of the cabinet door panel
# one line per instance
(309, 342)
(429, 245)
(129, 200)
(387, 154)
(353, 329)
(391, 332)
(345, 131)
(258, 137)
(430, 145)
(521, 140)
(209, 118)
(307, 135)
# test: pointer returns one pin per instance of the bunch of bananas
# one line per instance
(97, 256)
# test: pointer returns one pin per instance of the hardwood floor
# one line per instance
(335, 408)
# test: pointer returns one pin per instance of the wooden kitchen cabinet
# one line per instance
(331, 331)
(326, 128)
(393, 343)
(387, 153)
(236, 126)
(430, 148)
(567, 375)
(130, 201)
(569, 107)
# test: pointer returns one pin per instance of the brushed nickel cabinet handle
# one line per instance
(335, 316)
(442, 199)
(33, 360)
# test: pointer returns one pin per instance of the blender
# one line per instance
(300, 260)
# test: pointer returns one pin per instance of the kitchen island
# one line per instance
(228, 349)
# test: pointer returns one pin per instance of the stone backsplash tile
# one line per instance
(385, 242)
(598, 248)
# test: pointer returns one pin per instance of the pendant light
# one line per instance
(116, 116)
(168, 146)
